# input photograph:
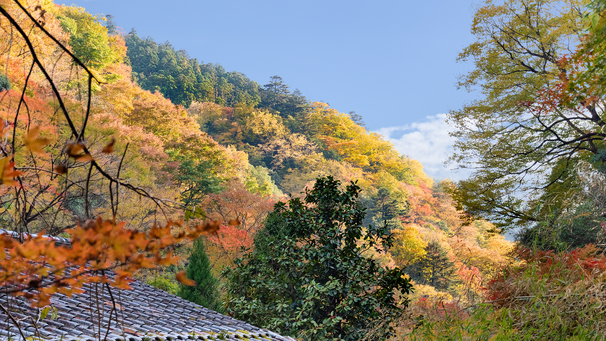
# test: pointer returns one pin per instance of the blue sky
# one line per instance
(393, 62)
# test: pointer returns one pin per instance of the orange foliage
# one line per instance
(235, 202)
(583, 264)
(149, 116)
(59, 168)
(231, 238)
(422, 203)
(37, 268)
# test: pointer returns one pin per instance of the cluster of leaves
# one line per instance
(37, 268)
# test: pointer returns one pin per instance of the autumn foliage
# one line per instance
(37, 268)
(59, 166)
(131, 179)
(556, 270)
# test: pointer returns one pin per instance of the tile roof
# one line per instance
(143, 313)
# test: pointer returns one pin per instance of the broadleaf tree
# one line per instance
(522, 136)
(56, 149)
(308, 276)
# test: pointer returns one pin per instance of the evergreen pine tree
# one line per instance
(205, 292)
(435, 268)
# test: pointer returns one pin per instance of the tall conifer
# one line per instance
(205, 292)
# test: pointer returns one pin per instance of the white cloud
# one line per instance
(427, 142)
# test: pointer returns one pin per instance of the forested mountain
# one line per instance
(291, 142)
(183, 79)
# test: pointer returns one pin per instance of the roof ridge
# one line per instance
(23, 235)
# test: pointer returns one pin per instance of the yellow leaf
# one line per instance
(8, 172)
(35, 143)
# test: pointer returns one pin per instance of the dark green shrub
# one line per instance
(5, 84)
(308, 275)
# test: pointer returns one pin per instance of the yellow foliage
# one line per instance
(408, 246)
(359, 147)
(265, 125)
(429, 292)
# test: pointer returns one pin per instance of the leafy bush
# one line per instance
(308, 277)
(550, 296)
(164, 282)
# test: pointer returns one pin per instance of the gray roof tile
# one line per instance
(141, 313)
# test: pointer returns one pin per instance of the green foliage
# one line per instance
(292, 107)
(488, 323)
(183, 79)
(110, 25)
(88, 37)
(592, 78)
(386, 207)
(515, 133)
(54, 312)
(259, 181)
(205, 292)
(307, 275)
(567, 230)
(577, 221)
(199, 179)
(164, 282)
(5, 84)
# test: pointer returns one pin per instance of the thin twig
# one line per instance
(111, 296)
(13, 319)
(86, 203)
